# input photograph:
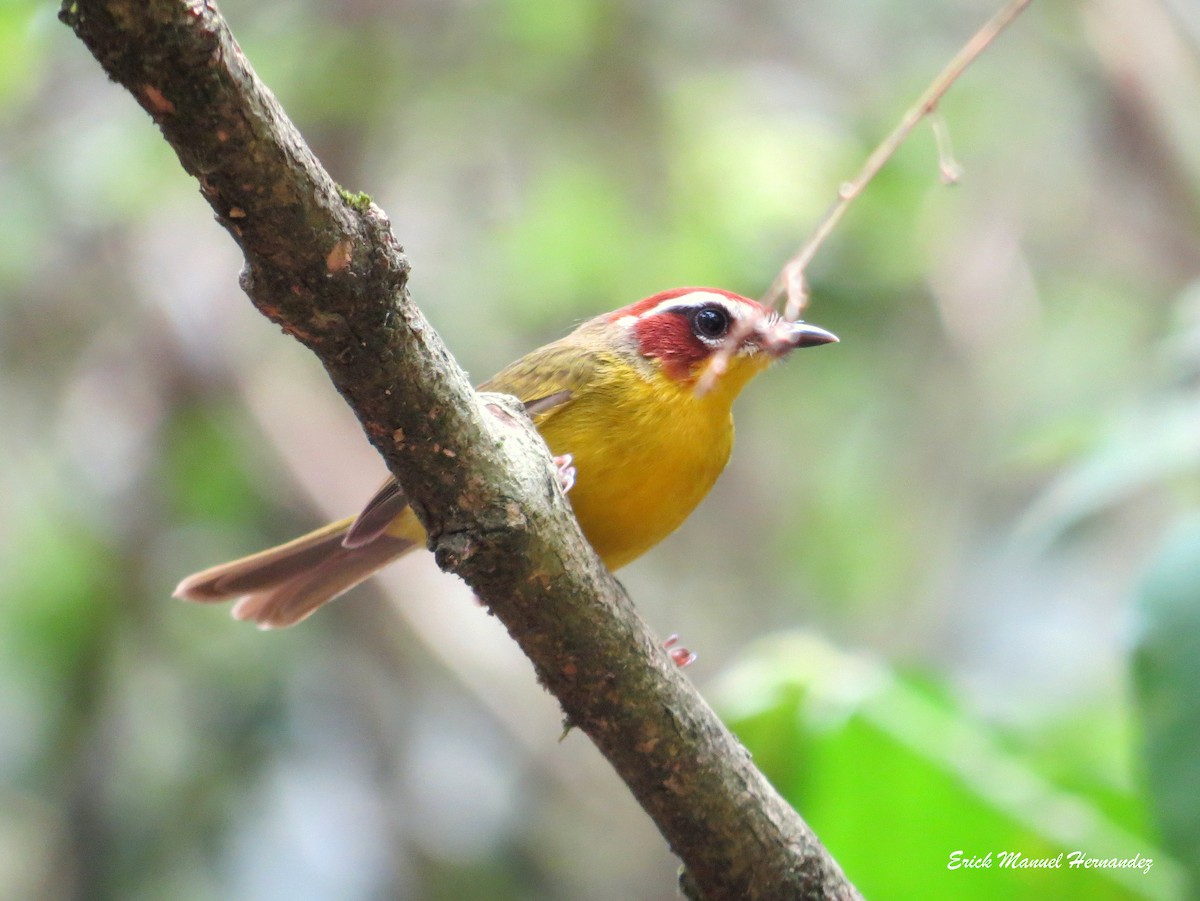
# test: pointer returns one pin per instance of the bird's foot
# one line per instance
(678, 653)
(565, 464)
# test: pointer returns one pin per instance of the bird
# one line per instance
(639, 435)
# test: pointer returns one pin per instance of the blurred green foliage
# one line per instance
(893, 777)
(1166, 672)
(981, 500)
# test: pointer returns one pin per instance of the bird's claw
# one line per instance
(565, 464)
(680, 655)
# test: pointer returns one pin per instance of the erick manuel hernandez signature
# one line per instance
(1075, 860)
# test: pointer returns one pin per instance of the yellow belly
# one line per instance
(642, 464)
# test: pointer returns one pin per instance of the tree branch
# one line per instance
(324, 265)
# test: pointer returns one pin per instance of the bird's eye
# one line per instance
(710, 322)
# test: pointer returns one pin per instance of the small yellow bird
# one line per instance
(616, 400)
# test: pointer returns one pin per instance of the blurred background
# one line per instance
(957, 603)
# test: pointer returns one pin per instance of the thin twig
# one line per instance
(790, 282)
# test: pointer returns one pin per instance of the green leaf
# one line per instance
(895, 781)
(1166, 671)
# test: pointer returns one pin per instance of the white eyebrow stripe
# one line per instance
(695, 300)
(692, 301)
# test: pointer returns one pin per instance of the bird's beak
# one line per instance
(780, 337)
(805, 335)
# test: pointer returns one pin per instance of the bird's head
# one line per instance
(683, 330)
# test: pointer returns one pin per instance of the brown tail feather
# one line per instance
(287, 603)
(283, 585)
(226, 581)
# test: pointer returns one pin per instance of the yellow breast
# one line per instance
(646, 452)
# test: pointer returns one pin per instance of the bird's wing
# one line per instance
(543, 381)
(388, 503)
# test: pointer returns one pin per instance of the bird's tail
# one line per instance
(282, 585)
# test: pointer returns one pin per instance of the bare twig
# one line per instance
(790, 283)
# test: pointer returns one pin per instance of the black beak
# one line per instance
(779, 337)
(805, 335)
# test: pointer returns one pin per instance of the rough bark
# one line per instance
(324, 265)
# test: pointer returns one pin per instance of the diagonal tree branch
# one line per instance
(324, 265)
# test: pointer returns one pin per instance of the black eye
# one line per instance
(710, 322)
